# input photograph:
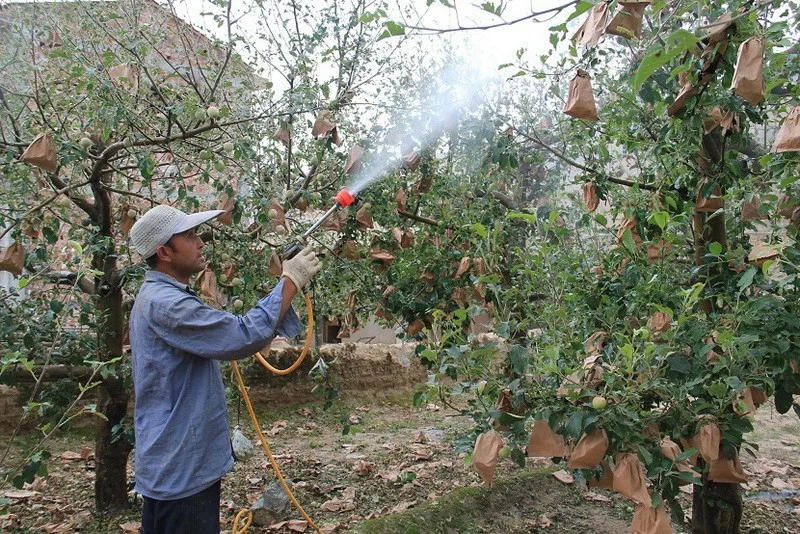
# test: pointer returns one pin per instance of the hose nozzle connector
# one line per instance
(344, 198)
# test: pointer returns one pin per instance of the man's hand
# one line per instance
(302, 267)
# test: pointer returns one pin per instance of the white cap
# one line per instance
(162, 222)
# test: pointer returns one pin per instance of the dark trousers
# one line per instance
(196, 514)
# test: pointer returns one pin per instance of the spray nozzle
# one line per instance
(344, 198)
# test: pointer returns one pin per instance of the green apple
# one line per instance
(85, 143)
(238, 304)
(219, 165)
(228, 146)
(280, 229)
(599, 402)
(131, 213)
(237, 282)
(272, 214)
(206, 154)
(481, 387)
(212, 112)
(504, 452)
(127, 142)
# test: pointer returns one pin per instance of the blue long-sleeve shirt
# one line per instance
(180, 415)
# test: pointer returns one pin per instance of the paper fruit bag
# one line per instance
(605, 480)
(484, 457)
(728, 471)
(649, 520)
(788, 138)
(589, 451)
(629, 478)
(628, 20)
(590, 197)
(580, 101)
(41, 153)
(544, 443)
(591, 30)
(707, 442)
(748, 75)
(12, 258)
(671, 450)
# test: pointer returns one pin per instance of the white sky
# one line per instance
(487, 48)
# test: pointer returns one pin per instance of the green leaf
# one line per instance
(715, 248)
(581, 8)
(660, 218)
(677, 43)
(747, 279)
(392, 29)
(601, 219)
(783, 400)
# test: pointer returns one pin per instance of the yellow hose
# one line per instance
(248, 513)
(306, 346)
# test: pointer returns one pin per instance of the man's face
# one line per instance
(185, 252)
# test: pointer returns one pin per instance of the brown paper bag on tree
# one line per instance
(788, 138)
(629, 478)
(41, 153)
(670, 450)
(707, 442)
(606, 479)
(709, 198)
(484, 458)
(364, 217)
(659, 322)
(226, 203)
(589, 451)
(544, 443)
(590, 197)
(401, 198)
(748, 75)
(744, 404)
(275, 267)
(208, 285)
(728, 471)
(628, 20)
(354, 159)
(750, 209)
(283, 136)
(649, 520)
(125, 77)
(591, 30)
(12, 258)
(629, 223)
(580, 101)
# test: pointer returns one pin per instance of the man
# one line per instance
(181, 416)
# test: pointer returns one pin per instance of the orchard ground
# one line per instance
(398, 473)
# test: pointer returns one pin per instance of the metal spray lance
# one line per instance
(343, 199)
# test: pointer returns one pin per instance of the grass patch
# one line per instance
(463, 510)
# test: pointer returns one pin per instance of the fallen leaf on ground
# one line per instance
(363, 467)
(19, 494)
(596, 497)
(70, 456)
(781, 484)
(564, 477)
(132, 526)
(420, 438)
(402, 507)
(432, 408)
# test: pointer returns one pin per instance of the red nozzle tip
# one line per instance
(344, 198)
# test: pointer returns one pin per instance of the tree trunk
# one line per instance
(111, 443)
(716, 508)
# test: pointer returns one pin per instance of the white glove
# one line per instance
(302, 267)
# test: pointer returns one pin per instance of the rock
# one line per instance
(273, 506)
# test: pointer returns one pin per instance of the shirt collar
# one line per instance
(157, 276)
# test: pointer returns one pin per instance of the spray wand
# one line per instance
(343, 199)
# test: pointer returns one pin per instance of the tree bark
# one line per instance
(716, 508)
